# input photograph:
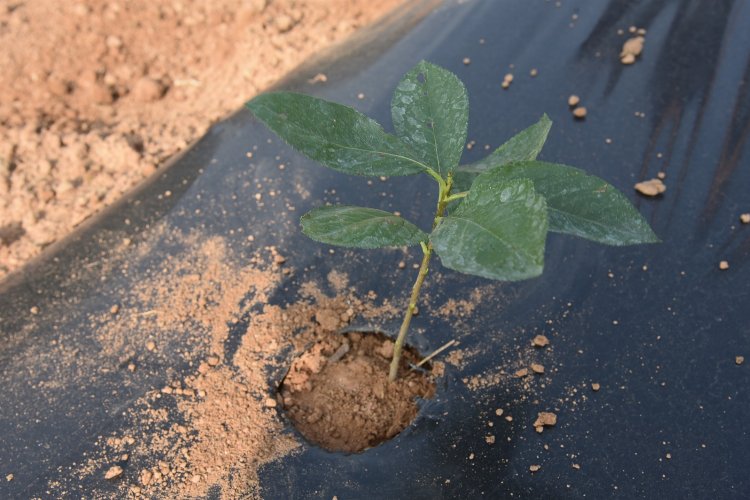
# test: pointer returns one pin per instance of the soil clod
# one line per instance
(653, 187)
(540, 341)
(338, 396)
(113, 472)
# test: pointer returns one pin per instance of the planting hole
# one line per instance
(338, 396)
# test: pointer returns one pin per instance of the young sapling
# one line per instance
(491, 217)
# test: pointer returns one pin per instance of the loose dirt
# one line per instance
(338, 395)
(212, 427)
(97, 94)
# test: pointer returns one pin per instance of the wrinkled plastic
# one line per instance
(657, 326)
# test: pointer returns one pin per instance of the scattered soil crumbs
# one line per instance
(631, 49)
(217, 423)
(545, 419)
(652, 187)
(338, 395)
(97, 94)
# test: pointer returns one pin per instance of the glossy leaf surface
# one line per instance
(430, 112)
(335, 135)
(359, 227)
(583, 205)
(497, 232)
(524, 146)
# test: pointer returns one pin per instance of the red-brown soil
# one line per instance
(338, 395)
(95, 94)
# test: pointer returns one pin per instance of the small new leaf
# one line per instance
(497, 232)
(430, 112)
(523, 146)
(335, 135)
(583, 205)
(360, 227)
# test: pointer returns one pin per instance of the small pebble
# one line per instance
(537, 368)
(652, 187)
(467, 61)
(151, 345)
(499, 412)
(533, 72)
(9, 477)
(745, 218)
(489, 439)
(738, 360)
(595, 386)
(114, 309)
(580, 112)
(540, 341)
(34, 310)
(723, 265)
(270, 403)
(534, 468)
(113, 472)
(522, 372)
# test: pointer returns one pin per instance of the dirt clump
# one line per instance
(540, 341)
(338, 395)
(545, 419)
(652, 187)
(631, 49)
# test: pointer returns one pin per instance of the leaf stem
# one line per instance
(443, 196)
(456, 196)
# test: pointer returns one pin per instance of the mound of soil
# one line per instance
(96, 94)
(338, 395)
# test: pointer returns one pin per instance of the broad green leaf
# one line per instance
(337, 136)
(524, 146)
(360, 227)
(430, 112)
(498, 231)
(582, 204)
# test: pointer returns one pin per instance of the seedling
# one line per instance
(492, 216)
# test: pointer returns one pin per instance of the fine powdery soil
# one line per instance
(338, 396)
(95, 94)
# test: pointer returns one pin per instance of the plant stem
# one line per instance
(445, 189)
(423, 269)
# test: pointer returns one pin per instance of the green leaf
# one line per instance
(360, 227)
(498, 231)
(335, 135)
(524, 146)
(583, 205)
(430, 112)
